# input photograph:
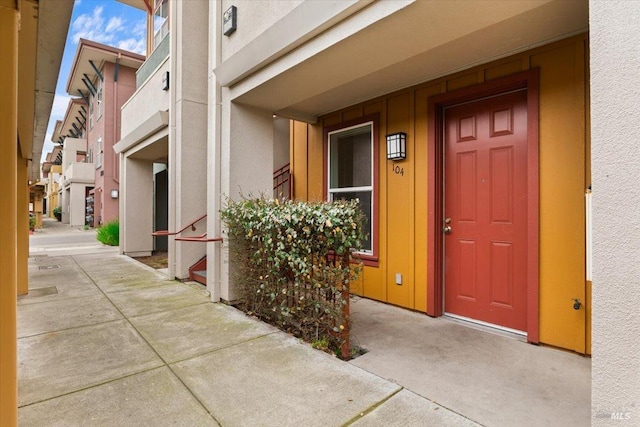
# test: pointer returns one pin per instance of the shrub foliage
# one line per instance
(109, 233)
(293, 262)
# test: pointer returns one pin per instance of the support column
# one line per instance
(188, 131)
(8, 221)
(214, 197)
(22, 218)
(615, 160)
(136, 207)
(246, 164)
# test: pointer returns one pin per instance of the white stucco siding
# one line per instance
(615, 114)
(254, 17)
(145, 102)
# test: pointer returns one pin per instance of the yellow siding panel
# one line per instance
(421, 148)
(504, 69)
(299, 161)
(399, 238)
(402, 199)
(462, 81)
(316, 164)
(562, 170)
(354, 113)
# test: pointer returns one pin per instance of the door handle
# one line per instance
(447, 228)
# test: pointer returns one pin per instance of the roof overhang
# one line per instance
(53, 18)
(146, 5)
(388, 46)
(73, 122)
(91, 56)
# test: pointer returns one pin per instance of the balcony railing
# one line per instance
(156, 58)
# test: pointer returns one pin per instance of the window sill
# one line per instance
(368, 260)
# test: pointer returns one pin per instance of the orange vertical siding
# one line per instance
(402, 199)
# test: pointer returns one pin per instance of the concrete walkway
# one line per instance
(105, 340)
(491, 378)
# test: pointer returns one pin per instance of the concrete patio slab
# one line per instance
(407, 409)
(34, 319)
(166, 296)
(61, 362)
(187, 332)
(492, 379)
(152, 398)
(70, 283)
(276, 380)
(132, 282)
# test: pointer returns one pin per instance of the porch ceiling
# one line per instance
(53, 19)
(157, 151)
(421, 42)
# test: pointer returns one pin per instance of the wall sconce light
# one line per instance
(114, 194)
(397, 146)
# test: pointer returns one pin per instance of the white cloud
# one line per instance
(91, 27)
(46, 148)
(60, 104)
(140, 29)
(133, 45)
(114, 24)
(114, 31)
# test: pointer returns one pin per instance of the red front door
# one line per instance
(485, 206)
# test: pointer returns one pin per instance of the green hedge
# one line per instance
(293, 262)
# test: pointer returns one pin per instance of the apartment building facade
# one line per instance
(101, 79)
(507, 112)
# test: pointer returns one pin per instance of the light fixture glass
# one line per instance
(114, 194)
(397, 146)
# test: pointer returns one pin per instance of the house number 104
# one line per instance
(398, 170)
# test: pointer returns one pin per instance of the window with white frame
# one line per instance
(350, 171)
(160, 21)
(99, 97)
(91, 113)
(98, 153)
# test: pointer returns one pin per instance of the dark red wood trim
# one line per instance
(370, 260)
(528, 80)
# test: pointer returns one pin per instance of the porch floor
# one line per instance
(493, 379)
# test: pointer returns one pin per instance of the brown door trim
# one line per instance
(436, 104)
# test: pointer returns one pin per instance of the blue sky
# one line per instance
(104, 21)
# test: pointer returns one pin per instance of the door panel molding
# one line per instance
(528, 80)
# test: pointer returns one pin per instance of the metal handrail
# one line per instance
(173, 233)
(282, 179)
(200, 238)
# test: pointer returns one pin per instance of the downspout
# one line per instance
(214, 202)
(116, 119)
(171, 162)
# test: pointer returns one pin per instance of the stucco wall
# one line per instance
(253, 18)
(615, 112)
(146, 101)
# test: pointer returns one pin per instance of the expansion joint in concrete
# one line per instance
(373, 407)
(148, 343)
